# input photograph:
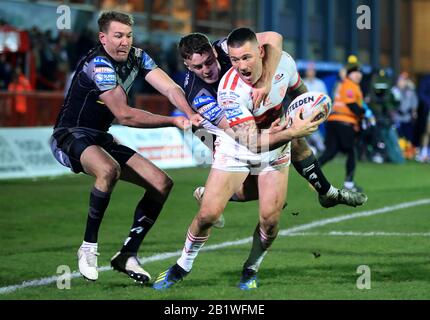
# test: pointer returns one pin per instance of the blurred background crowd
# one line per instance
(37, 59)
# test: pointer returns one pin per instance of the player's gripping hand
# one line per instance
(276, 126)
(181, 123)
(260, 92)
(303, 127)
(196, 119)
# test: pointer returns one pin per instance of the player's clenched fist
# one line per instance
(182, 122)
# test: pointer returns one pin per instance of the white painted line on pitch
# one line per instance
(362, 234)
(286, 232)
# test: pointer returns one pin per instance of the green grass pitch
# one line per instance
(42, 224)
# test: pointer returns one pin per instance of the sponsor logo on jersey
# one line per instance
(138, 52)
(102, 61)
(279, 77)
(208, 107)
(203, 100)
(282, 159)
(187, 79)
(103, 70)
(147, 62)
(105, 78)
(211, 111)
(233, 111)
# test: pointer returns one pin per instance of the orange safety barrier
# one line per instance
(43, 107)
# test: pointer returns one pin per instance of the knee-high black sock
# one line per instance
(146, 213)
(309, 169)
(99, 201)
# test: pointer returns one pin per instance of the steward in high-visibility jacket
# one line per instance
(343, 122)
(348, 103)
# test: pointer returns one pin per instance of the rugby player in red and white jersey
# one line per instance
(235, 158)
(206, 64)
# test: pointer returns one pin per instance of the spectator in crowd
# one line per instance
(406, 112)
(424, 154)
(383, 104)
(18, 85)
(313, 83)
(424, 134)
(5, 72)
(343, 122)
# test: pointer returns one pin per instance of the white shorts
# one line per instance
(231, 156)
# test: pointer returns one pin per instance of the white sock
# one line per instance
(348, 184)
(424, 152)
(192, 247)
(89, 245)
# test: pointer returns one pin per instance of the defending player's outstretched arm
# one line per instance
(167, 87)
(116, 100)
(272, 44)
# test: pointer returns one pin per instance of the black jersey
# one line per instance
(96, 73)
(201, 96)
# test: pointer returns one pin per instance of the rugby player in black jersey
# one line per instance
(80, 141)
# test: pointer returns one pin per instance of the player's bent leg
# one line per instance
(98, 163)
(219, 188)
(345, 196)
(308, 167)
(248, 191)
(272, 187)
(300, 150)
(198, 195)
(129, 264)
(144, 173)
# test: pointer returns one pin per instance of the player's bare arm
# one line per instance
(116, 101)
(248, 134)
(167, 87)
(298, 91)
(272, 44)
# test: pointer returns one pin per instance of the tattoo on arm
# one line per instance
(246, 134)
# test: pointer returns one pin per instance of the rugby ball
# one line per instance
(309, 102)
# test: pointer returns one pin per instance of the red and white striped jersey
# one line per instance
(234, 95)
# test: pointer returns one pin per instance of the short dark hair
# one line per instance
(194, 43)
(239, 36)
(107, 17)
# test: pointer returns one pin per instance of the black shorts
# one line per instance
(341, 134)
(68, 144)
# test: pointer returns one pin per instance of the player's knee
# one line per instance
(165, 186)
(206, 218)
(269, 219)
(300, 150)
(109, 172)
